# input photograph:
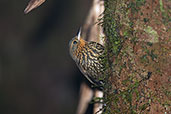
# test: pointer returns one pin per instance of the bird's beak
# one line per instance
(79, 34)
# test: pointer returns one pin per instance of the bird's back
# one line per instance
(90, 61)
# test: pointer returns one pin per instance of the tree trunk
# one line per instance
(138, 47)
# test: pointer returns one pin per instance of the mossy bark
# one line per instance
(139, 61)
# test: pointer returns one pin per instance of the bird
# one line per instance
(88, 56)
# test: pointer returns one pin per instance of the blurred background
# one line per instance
(37, 74)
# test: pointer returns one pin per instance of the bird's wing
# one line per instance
(96, 47)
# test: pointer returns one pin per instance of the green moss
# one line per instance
(113, 39)
(153, 55)
(166, 18)
(154, 37)
(149, 43)
(161, 5)
(140, 2)
(135, 6)
(111, 27)
(144, 59)
(146, 20)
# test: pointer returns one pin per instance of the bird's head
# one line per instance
(76, 45)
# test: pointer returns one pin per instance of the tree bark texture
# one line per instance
(138, 45)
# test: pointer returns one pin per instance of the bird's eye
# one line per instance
(75, 42)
